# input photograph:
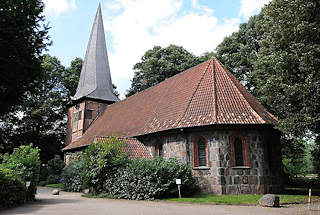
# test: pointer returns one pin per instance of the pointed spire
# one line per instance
(95, 78)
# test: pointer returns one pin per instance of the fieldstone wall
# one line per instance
(264, 175)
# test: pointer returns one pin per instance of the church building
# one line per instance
(203, 117)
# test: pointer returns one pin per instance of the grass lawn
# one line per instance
(241, 199)
(58, 186)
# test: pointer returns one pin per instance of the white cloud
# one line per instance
(56, 7)
(138, 25)
(251, 7)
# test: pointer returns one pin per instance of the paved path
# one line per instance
(74, 204)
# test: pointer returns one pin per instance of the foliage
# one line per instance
(158, 64)
(145, 179)
(296, 157)
(288, 65)
(239, 51)
(22, 40)
(55, 166)
(72, 174)
(24, 162)
(101, 162)
(51, 173)
(41, 118)
(12, 189)
(315, 152)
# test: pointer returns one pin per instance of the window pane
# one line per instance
(89, 114)
(238, 152)
(202, 153)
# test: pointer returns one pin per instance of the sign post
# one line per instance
(309, 200)
(178, 182)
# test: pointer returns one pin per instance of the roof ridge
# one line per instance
(194, 92)
(228, 73)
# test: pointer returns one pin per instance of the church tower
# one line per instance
(94, 92)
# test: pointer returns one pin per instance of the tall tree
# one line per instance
(158, 64)
(22, 40)
(239, 51)
(287, 69)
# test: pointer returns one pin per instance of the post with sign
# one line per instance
(27, 185)
(178, 182)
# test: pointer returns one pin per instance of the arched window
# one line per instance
(159, 149)
(239, 151)
(200, 153)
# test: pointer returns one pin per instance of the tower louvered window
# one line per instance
(202, 153)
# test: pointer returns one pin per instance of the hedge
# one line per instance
(12, 189)
(145, 179)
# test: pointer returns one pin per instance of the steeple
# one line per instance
(95, 79)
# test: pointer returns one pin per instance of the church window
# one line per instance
(200, 153)
(240, 151)
(159, 149)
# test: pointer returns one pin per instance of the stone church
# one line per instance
(203, 117)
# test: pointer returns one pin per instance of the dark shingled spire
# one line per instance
(95, 79)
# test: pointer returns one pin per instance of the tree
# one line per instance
(239, 51)
(287, 69)
(22, 40)
(158, 64)
(40, 119)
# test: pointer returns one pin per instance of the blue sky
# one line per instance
(134, 26)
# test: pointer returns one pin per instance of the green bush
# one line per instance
(12, 189)
(101, 163)
(145, 179)
(24, 162)
(72, 174)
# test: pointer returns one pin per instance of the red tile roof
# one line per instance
(132, 146)
(202, 95)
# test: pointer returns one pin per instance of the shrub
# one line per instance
(144, 179)
(24, 162)
(12, 189)
(51, 173)
(72, 174)
(101, 163)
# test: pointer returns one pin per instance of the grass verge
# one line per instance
(241, 199)
(58, 186)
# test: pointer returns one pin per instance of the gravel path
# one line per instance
(74, 204)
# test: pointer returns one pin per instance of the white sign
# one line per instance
(28, 184)
(178, 181)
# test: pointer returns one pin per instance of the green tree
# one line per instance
(287, 69)
(158, 64)
(22, 40)
(239, 51)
